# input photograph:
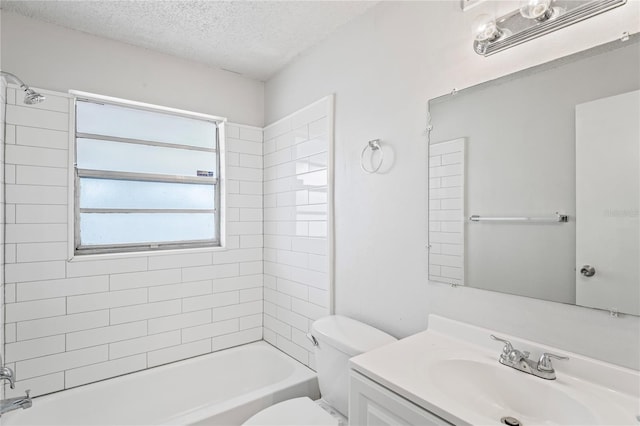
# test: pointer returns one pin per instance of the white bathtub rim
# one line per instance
(298, 377)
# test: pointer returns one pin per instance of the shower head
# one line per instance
(31, 97)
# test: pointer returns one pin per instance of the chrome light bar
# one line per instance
(513, 28)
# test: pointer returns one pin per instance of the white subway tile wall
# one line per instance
(70, 323)
(296, 243)
(6, 333)
(446, 211)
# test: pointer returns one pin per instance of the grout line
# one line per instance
(65, 168)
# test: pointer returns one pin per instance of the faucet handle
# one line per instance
(508, 347)
(544, 364)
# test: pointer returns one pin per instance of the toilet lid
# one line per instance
(293, 412)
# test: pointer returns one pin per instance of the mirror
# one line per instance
(534, 182)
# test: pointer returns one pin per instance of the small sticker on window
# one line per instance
(205, 173)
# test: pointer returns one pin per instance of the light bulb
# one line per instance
(540, 10)
(485, 28)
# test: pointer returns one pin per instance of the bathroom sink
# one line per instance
(497, 391)
(452, 370)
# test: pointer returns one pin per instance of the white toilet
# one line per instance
(338, 339)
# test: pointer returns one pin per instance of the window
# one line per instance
(146, 178)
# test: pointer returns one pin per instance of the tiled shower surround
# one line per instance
(73, 322)
(3, 92)
(296, 227)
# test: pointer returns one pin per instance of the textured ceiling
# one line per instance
(254, 38)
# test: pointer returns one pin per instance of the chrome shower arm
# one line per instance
(32, 97)
(14, 78)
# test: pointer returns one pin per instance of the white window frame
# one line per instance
(77, 251)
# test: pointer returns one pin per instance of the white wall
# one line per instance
(56, 58)
(383, 68)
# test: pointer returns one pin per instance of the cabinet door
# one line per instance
(373, 405)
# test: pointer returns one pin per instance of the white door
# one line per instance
(608, 203)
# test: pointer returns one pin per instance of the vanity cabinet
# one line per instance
(371, 404)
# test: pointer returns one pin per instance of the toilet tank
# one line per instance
(340, 338)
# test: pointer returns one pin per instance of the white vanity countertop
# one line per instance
(452, 370)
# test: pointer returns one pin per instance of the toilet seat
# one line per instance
(293, 412)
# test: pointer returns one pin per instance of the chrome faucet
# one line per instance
(514, 358)
(11, 404)
(6, 373)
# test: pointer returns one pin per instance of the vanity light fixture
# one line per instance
(533, 19)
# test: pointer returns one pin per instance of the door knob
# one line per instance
(588, 271)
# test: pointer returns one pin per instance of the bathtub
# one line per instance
(222, 388)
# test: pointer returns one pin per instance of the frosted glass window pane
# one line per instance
(132, 123)
(128, 194)
(127, 157)
(131, 228)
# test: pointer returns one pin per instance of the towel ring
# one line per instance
(374, 145)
